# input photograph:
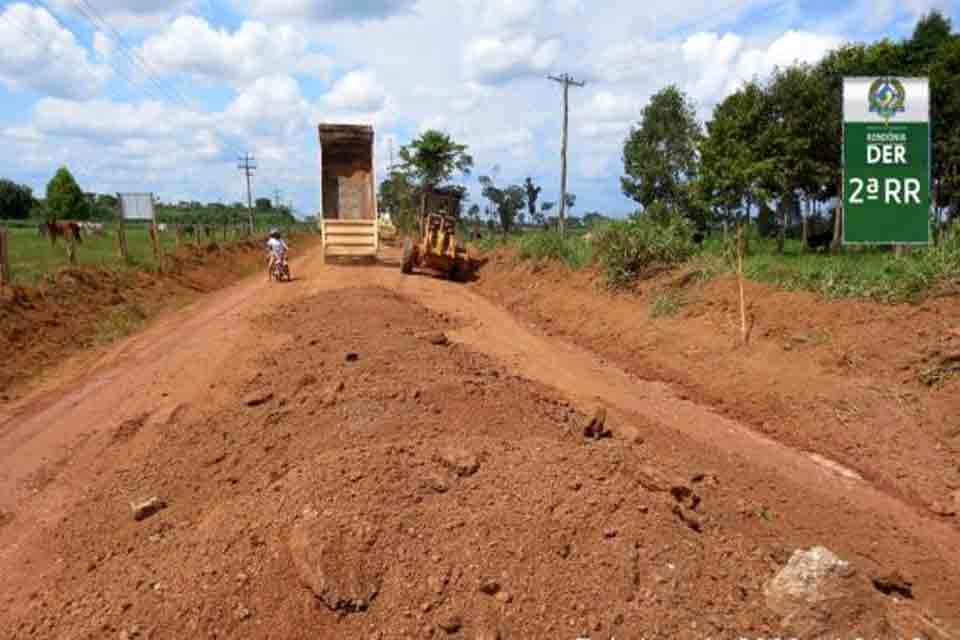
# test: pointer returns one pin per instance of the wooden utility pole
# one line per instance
(248, 166)
(566, 81)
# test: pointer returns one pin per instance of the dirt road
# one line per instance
(246, 413)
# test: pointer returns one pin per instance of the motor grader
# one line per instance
(435, 245)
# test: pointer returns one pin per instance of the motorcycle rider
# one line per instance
(277, 250)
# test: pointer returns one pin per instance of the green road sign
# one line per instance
(886, 161)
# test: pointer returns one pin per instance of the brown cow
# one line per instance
(65, 229)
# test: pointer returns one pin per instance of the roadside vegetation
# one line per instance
(767, 161)
(33, 257)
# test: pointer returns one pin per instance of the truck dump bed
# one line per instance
(348, 190)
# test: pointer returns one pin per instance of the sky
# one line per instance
(164, 95)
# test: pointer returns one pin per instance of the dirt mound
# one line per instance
(874, 387)
(83, 307)
(386, 485)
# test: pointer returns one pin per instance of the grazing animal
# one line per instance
(65, 230)
(819, 241)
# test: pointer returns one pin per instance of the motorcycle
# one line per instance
(280, 270)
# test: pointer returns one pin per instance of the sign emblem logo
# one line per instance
(887, 97)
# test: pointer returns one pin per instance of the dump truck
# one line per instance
(349, 221)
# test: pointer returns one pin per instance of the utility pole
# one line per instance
(276, 198)
(248, 166)
(390, 147)
(566, 81)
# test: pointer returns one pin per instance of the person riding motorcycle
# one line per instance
(277, 250)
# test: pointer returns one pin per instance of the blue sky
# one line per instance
(163, 95)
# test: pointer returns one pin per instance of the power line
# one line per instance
(566, 81)
(248, 166)
(164, 92)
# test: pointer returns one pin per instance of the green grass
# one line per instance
(665, 304)
(571, 249)
(32, 257)
(872, 274)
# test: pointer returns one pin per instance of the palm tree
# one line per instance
(433, 157)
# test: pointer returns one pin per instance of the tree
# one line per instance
(107, 201)
(399, 197)
(263, 204)
(507, 202)
(932, 33)
(64, 197)
(532, 192)
(433, 157)
(16, 200)
(730, 158)
(571, 200)
(660, 156)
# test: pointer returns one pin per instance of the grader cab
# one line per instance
(435, 245)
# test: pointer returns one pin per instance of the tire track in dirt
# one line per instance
(591, 381)
(219, 328)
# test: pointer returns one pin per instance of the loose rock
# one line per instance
(335, 562)
(438, 339)
(460, 461)
(146, 508)
(451, 624)
(596, 428)
(489, 586)
(258, 398)
(893, 583)
(799, 590)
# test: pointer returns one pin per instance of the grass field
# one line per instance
(873, 274)
(32, 257)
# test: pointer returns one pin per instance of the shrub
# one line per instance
(572, 250)
(628, 248)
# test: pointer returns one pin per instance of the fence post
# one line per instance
(122, 240)
(5, 275)
(155, 241)
(71, 248)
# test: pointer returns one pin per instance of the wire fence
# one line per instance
(33, 251)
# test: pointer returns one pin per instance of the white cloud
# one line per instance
(36, 52)
(495, 60)
(272, 105)
(357, 91)
(498, 15)
(124, 15)
(323, 10)
(191, 45)
(107, 120)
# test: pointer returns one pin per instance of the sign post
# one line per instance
(137, 206)
(886, 161)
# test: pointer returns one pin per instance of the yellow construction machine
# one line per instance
(435, 245)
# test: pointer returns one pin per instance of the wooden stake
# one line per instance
(5, 275)
(743, 303)
(71, 248)
(122, 240)
(155, 240)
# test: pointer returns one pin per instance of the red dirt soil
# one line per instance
(358, 454)
(85, 307)
(873, 387)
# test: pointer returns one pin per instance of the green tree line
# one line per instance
(773, 147)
